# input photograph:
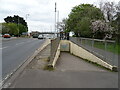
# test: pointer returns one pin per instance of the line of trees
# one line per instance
(14, 25)
(86, 20)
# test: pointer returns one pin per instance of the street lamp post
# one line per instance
(26, 18)
(18, 26)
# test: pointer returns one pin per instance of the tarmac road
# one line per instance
(16, 51)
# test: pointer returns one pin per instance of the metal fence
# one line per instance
(54, 46)
(104, 49)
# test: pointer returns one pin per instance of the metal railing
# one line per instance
(54, 46)
(104, 49)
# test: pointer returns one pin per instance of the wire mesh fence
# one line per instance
(104, 49)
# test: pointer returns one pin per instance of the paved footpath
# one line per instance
(70, 72)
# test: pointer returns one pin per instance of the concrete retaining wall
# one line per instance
(56, 56)
(64, 45)
(82, 53)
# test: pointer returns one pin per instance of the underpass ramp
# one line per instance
(69, 62)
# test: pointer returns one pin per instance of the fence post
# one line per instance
(114, 54)
(92, 45)
(81, 40)
(105, 49)
(51, 50)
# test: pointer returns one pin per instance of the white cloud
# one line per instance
(41, 11)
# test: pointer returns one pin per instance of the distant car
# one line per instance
(6, 36)
(35, 36)
(41, 37)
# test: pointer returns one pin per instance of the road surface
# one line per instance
(16, 51)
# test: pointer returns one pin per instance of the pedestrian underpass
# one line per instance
(70, 71)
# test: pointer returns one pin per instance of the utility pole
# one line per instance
(58, 16)
(57, 23)
(55, 18)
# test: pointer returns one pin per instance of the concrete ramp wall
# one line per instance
(76, 50)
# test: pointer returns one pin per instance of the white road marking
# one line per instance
(4, 47)
(17, 44)
(20, 43)
(24, 42)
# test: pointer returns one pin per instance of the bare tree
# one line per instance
(118, 7)
(109, 10)
(62, 25)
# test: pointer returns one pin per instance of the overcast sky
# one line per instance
(41, 12)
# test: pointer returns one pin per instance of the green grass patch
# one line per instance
(48, 67)
(111, 47)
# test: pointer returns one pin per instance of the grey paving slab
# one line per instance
(40, 60)
(69, 79)
(70, 72)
